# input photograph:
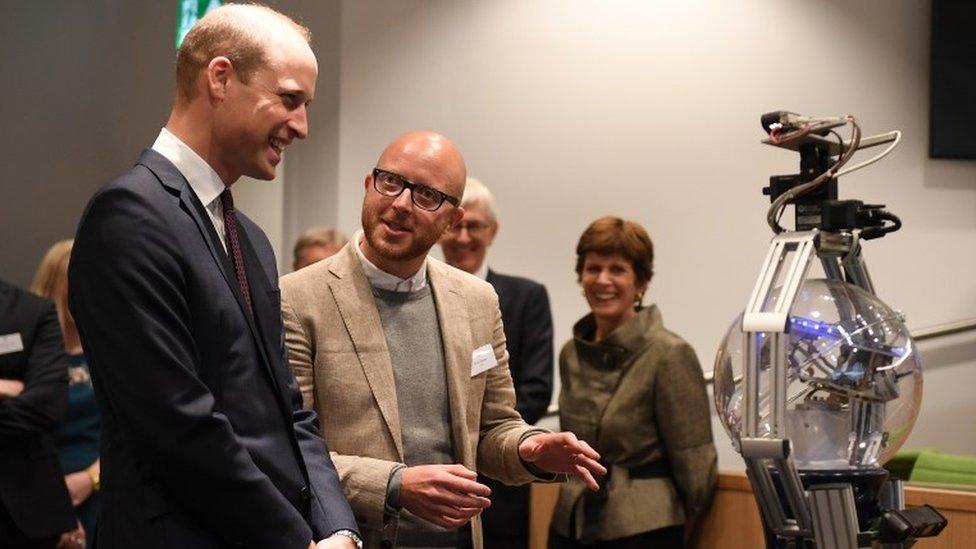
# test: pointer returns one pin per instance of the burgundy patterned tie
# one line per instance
(234, 247)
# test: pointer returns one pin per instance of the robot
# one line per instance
(818, 382)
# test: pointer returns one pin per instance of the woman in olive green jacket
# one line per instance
(637, 391)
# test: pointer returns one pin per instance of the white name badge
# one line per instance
(11, 343)
(482, 359)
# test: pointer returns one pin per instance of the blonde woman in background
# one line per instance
(78, 438)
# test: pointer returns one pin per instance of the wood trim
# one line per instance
(734, 480)
(733, 521)
(943, 500)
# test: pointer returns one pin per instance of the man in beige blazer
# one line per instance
(404, 359)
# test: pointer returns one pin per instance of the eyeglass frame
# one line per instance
(407, 184)
(478, 228)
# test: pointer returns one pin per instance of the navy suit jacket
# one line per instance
(205, 443)
(32, 486)
(527, 321)
(528, 334)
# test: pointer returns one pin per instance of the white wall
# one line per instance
(570, 110)
(264, 203)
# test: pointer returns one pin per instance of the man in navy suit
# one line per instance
(205, 443)
(528, 333)
(34, 504)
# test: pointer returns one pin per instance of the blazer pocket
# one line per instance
(274, 296)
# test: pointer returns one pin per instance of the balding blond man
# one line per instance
(316, 244)
(404, 357)
(204, 442)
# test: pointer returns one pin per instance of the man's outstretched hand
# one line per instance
(563, 453)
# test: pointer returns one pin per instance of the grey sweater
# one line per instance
(416, 351)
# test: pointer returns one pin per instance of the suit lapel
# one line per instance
(452, 317)
(357, 307)
(171, 177)
(264, 310)
(266, 326)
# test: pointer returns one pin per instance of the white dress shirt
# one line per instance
(482, 271)
(384, 280)
(204, 181)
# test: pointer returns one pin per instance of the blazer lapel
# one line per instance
(172, 178)
(452, 316)
(357, 307)
(261, 323)
(266, 326)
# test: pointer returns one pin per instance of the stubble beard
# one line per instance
(419, 244)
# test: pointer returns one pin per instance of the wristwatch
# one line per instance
(351, 535)
(95, 477)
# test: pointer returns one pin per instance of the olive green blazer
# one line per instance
(640, 395)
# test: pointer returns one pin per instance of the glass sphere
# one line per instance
(854, 380)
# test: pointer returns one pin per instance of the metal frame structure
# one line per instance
(821, 516)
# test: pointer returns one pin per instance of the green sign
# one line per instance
(190, 11)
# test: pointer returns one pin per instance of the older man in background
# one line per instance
(528, 336)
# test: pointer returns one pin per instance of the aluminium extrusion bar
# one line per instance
(758, 323)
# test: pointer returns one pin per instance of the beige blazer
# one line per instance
(339, 354)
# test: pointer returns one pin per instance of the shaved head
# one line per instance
(243, 33)
(398, 233)
(432, 151)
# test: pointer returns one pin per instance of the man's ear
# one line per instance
(219, 73)
(458, 216)
(493, 226)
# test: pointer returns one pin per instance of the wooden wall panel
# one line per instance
(733, 521)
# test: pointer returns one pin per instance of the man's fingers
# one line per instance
(579, 446)
(590, 464)
(588, 450)
(464, 486)
(455, 513)
(454, 499)
(584, 474)
(454, 524)
(449, 517)
(462, 471)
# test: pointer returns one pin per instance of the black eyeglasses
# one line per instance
(424, 197)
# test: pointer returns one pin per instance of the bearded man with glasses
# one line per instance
(407, 358)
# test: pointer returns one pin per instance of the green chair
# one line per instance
(935, 467)
(900, 466)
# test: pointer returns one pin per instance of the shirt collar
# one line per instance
(383, 280)
(482, 271)
(204, 181)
